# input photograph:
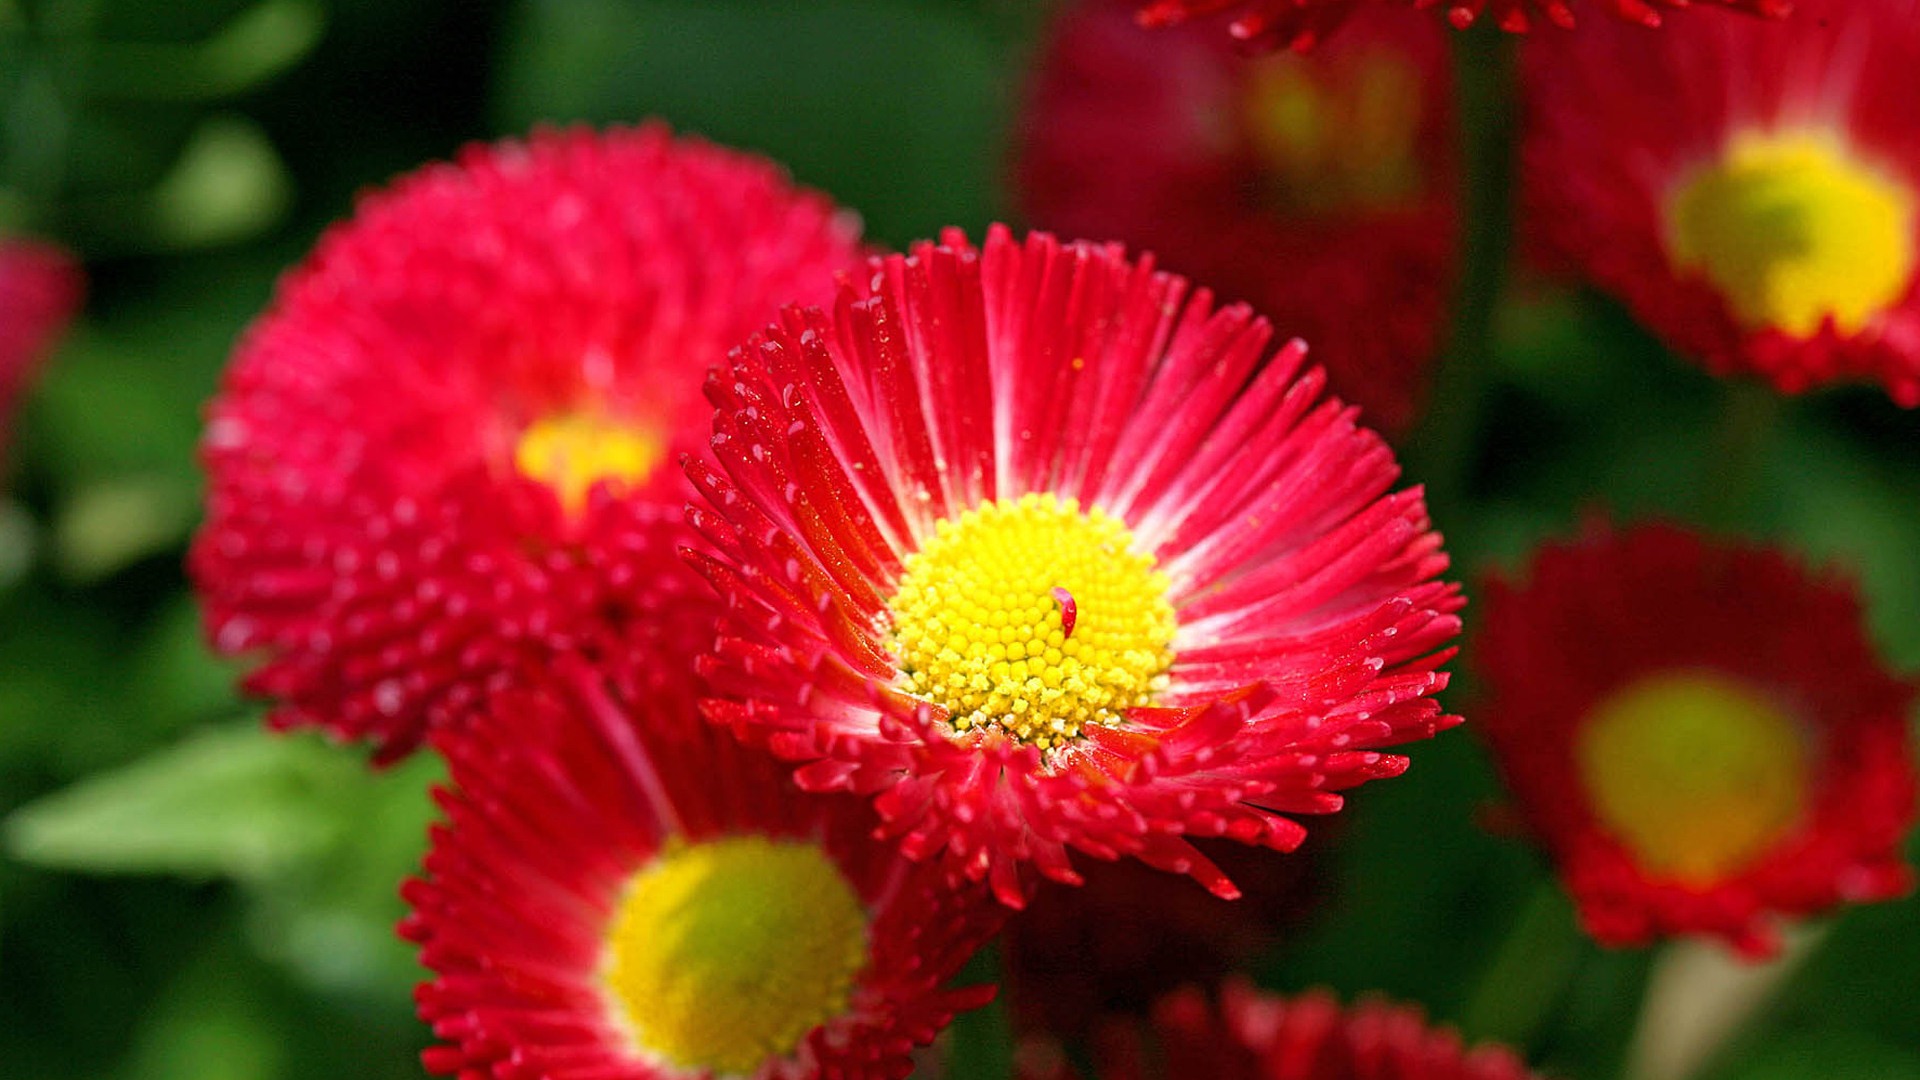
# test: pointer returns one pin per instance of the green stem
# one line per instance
(981, 1041)
(1528, 972)
(1732, 476)
(1442, 451)
(1699, 997)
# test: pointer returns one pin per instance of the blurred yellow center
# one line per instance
(727, 952)
(1696, 773)
(1330, 144)
(571, 452)
(982, 618)
(1791, 229)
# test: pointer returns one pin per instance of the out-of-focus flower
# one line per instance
(1251, 1035)
(1321, 189)
(40, 289)
(1750, 190)
(445, 455)
(1700, 735)
(1075, 957)
(1302, 24)
(1045, 554)
(630, 895)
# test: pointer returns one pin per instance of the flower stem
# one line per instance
(1444, 448)
(981, 1041)
(1699, 997)
(1732, 476)
(1523, 981)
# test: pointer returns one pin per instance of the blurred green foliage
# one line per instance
(185, 895)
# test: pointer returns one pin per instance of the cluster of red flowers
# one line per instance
(1250, 1035)
(984, 566)
(1303, 24)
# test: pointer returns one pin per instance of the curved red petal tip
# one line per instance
(1069, 611)
(1004, 881)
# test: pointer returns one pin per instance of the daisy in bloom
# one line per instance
(1323, 189)
(1044, 552)
(1252, 1035)
(446, 453)
(1302, 24)
(40, 289)
(629, 895)
(1750, 190)
(1699, 734)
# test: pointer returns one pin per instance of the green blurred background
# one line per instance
(183, 895)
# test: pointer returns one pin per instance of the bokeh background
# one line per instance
(183, 895)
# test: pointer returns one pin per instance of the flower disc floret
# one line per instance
(1697, 772)
(573, 452)
(981, 620)
(1794, 230)
(1332, 140)
(726, 952)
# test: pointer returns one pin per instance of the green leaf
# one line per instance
(251, 48)
(180, 681)
(980, 1042)
(237, 802)
(319, 841)
(18, 541)
(107, 527)
(227, 184)
(1822, 1055)
(331, 920)
(210, 1025)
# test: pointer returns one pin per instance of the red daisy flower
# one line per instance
(445, 454)
(1750, 190)
(1321, 189)
(1251, 1035)
(1700, 735)
(40, 289)
(630, 896)
(1045, 553)
(1302, 24)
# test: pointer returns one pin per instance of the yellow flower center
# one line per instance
(727, 952)
(571, 452)
(1791, 229)
(1696, 773)
(1331, 143)
(1033, 617)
